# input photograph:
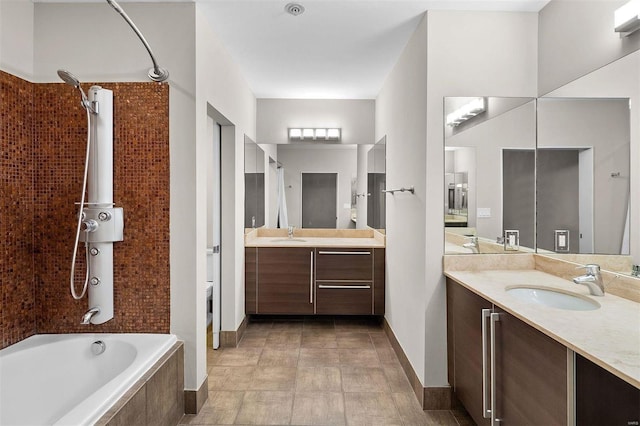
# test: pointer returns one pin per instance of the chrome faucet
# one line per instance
(86, 318)
(592, 279)
(472, 243)
(290, 231)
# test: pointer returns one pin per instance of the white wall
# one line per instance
(401, 109)
(451, 54)
(354, 116)
(224, 95)
(577, 37)
(470, 54)
(296, 159)
(16, 38)
(618, 79)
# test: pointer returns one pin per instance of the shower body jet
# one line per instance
(156, 73)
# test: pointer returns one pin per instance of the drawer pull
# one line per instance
(345, 252)
(344, 286)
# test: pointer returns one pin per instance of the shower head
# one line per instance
(69, 78)
(72, 80)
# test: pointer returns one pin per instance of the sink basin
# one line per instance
(553, 298)
(285, 240)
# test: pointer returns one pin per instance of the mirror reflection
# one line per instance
(376, 183)
(489, 175)
(254, 184)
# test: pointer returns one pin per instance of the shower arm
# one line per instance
(156, 73)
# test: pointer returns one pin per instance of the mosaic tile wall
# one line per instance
(141, 187)
(17, 291)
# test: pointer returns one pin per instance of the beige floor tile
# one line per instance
(273, 379)
(410, 410)
(259, 327)
(318, 408)
(364, 379)
(283, 339)
(278, 357)
(288, 326)
(319, 340)
(230, 378)
(354, 340)
(324, 379)
(357, 324)
(359, 357)
(318, 325)
(462, 417)
(221, 408)
(265, 408)
(387, 355)
(311, 357)
(213, 355)
(444, 418)
(397, 378)
(239, 357)
(371, 408)
(256, 340)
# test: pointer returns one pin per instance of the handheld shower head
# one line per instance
(69, 78)
(72, 80)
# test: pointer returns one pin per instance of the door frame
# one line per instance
(337, 194)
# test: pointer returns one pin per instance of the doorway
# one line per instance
(214, 208)
(319, 200)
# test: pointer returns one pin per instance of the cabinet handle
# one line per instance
(486, 411)
(343, 286)
(494, 318)
(345, 252)
(311, 280)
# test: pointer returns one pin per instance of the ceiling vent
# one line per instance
(294, 9)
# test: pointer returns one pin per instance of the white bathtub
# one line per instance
(55, 379)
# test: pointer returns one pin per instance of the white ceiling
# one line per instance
(334, 50)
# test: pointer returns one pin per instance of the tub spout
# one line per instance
(86, 318)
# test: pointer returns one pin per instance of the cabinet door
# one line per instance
(339, 264)
(285, 280)
(602, 398)
(344, 298)
(250, 280)
(465, 332)
(531, 375)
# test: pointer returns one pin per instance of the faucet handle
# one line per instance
(592, 268)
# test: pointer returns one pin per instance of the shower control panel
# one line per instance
(103, 225)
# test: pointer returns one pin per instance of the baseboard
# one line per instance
(194, 400)
(430, 398)
(230, 339)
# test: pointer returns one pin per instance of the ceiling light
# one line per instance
(333, 134)
(627, 18)
(294, 9)
(466, 112)
(314, 134)
(321, 133)
(295, 133)
(308, 133)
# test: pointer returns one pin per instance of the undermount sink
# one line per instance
(285, 240)
(554, 298)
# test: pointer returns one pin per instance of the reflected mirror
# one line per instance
(376, 183)
(583, 175)
(254, 178)
(489, 182)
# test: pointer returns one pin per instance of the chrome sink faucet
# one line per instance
(592, 279)
(86, 318)
(290, 229)
(472, 243)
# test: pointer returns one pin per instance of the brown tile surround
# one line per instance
(43, 143)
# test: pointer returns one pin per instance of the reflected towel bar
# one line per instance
(403, 189)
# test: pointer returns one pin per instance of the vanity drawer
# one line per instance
(344, 298)
(344, 264)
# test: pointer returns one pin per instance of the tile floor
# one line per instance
(310, 371)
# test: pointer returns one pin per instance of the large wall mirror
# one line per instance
(376, 183)
(562, 170)
(254, 181)
(489, 174)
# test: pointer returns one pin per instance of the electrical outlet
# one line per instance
(561, 241)
(512, 240)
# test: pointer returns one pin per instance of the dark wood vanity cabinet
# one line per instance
(307, 281)
(530, 384)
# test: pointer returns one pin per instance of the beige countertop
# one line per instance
(345, 238)
(608, 336)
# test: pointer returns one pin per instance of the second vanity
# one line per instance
(517, 358)
(314, 272)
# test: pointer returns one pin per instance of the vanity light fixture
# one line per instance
(627, 18)
(314, 134)
(466, 112)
